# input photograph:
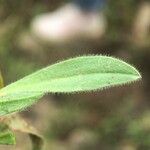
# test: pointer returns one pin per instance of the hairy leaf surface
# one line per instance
(78, 74)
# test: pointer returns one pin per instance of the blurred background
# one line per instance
(36, 33)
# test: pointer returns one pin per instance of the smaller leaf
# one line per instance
(6, 135)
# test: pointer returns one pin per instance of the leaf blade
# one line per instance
(73, 71)
(10, 104)
(84, 73)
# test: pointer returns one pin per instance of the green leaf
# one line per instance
(17, 101)
(6, 135)
(78, 74)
